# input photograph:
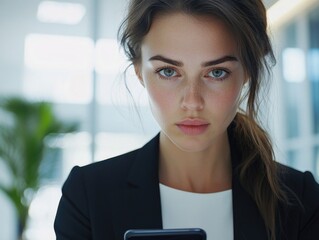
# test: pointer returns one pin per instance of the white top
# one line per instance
(212, 212)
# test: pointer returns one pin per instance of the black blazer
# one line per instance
(103, 200)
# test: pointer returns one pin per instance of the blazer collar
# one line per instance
(139, 206)
(144, 170)
(247, 221)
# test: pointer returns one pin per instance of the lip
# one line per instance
(193, 126)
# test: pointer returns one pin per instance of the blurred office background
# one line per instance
(66, 52)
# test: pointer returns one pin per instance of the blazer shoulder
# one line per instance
(123, 162)
(117, 171)
(109, 171)
(300, 183)
(303, 195)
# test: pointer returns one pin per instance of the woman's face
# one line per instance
(191, 70)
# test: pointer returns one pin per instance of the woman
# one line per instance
(211, 165)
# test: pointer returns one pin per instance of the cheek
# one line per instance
(160, 99)
(235, 94)
(228, 99)
(161, 95)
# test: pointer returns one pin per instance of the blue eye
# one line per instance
(167, 72)
(218, 73)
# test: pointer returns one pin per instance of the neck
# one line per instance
(201, 171)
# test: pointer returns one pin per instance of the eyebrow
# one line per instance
(205, 64)
(166, 60)
(220, 60)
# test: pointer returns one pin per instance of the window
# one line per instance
(58, 68)
(313, 67)
(291, 81)
(300, 91)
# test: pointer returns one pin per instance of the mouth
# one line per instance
(193, 126)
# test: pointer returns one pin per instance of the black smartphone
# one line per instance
(166, 234)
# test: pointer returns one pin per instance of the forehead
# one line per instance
(188, 35)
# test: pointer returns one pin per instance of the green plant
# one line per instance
(24, 126)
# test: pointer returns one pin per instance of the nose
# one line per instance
(193, 98)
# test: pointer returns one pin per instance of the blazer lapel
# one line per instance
(138, 205)
(247, 221)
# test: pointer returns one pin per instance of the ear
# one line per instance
(137, 68)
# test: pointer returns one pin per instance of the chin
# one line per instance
(192, 146)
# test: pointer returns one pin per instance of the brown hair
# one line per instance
(247, 19)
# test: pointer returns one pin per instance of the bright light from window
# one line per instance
(60, 87)
(109, 58)
(60, 12)
(284, 9)
(112, 90)
(313, 64)
(294, 65)
(110, 64)
(42, 213)
(58, 68)
(53, 52)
